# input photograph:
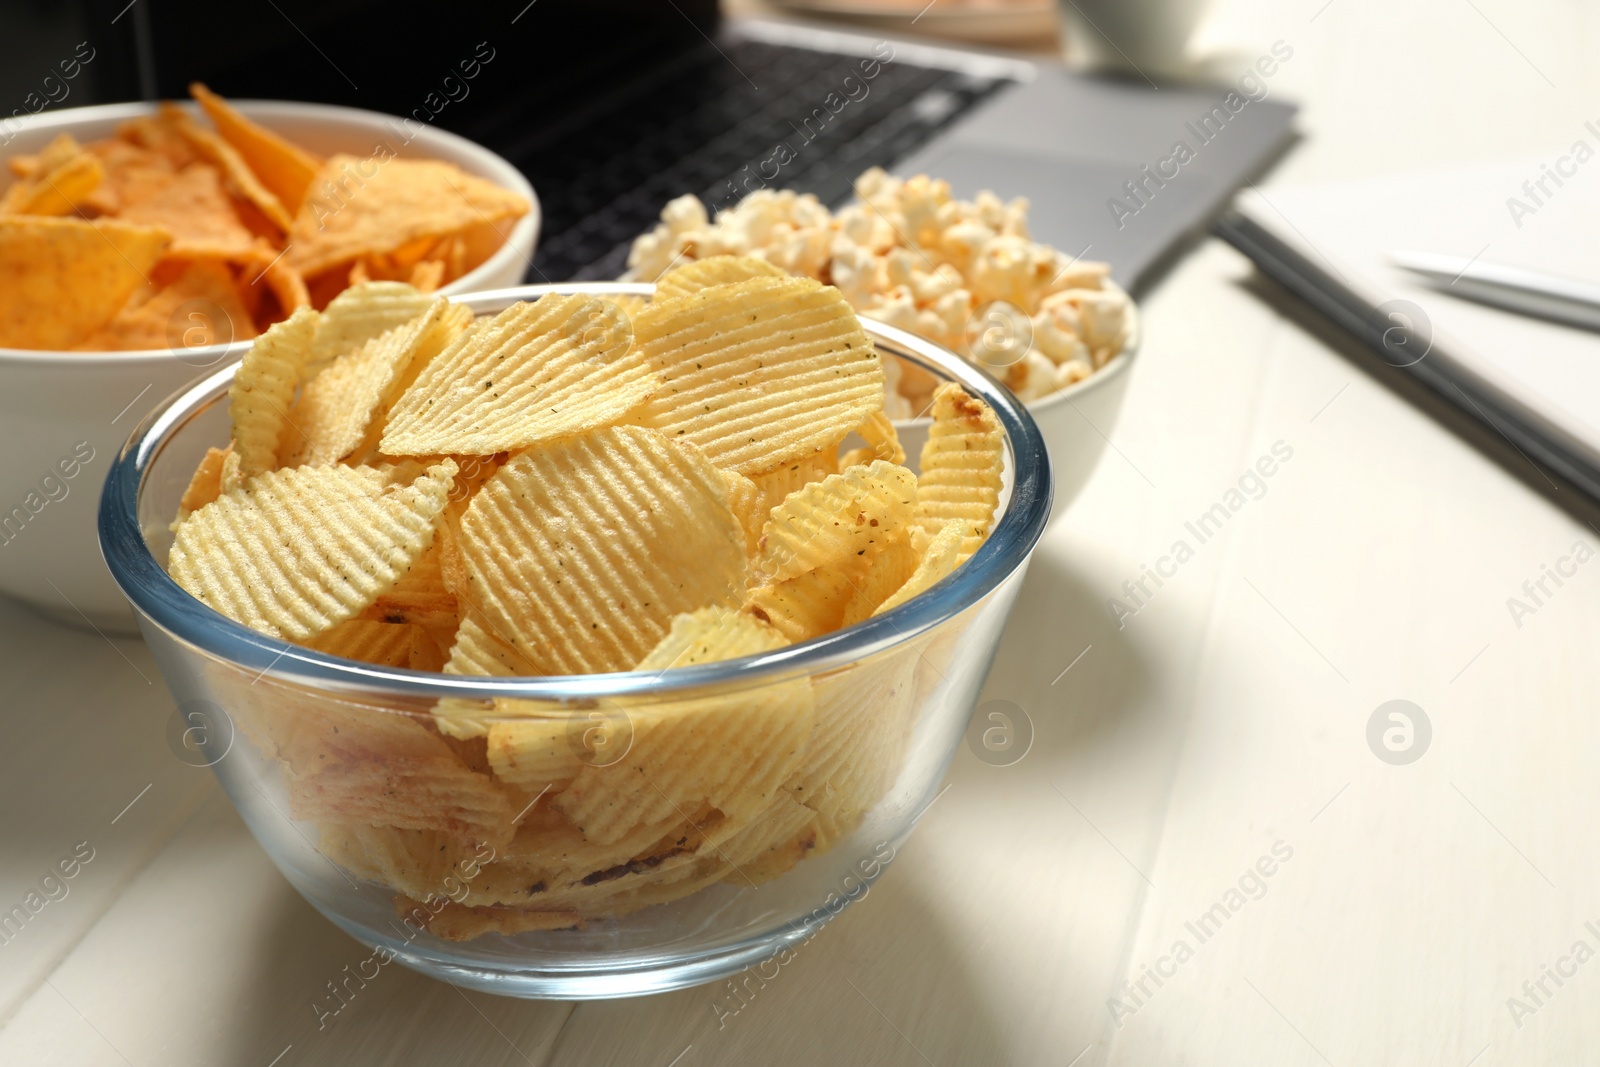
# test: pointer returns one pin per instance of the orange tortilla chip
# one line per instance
(362, 207)
(284, 168)
(160, 134)
(202, 307)
(57, 191)
(427, 275)
(62, 279)
(60, 149)
(221, 154)
(196, 210)
(133, 174)
(285, 282)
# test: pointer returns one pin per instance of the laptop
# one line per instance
(614, 107)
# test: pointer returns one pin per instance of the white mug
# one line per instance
(1136, 37)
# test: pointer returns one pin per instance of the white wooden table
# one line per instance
(1224, 727)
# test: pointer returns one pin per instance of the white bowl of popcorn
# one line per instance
(964, 274)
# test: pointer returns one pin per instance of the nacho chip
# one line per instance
(200, 308)
(198, 213)
(293, 553)
(57, 191)
(63, 278)
(222, 155)
(62, 147)
(133, 174)
(533, 373)
(759, 373)
(428, 275)
(284, 282)
(161, 134)
(357, 207)
(284, 168)
(581, 552)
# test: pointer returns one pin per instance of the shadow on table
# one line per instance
(887, 984)
(1064, 662)
(837, 999)
(398, 1017)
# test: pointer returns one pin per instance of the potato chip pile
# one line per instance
(909, 254)
(175, 235)
(574, 486)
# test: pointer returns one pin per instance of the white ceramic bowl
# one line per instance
(63, 415)
(1076, 424)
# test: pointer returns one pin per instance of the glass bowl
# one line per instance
(824, 754)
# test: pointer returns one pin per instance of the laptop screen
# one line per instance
(525, 56)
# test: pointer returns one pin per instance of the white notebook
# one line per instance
(1524, 213)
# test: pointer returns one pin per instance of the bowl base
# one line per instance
(553, 983)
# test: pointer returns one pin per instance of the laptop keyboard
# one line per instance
(605, 172)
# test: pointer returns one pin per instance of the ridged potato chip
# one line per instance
(943, 554)
(381, 643)
(418, 863)
(535, 372)
(701, 274)
(962, 464)
(772, 843)
(361, 313)
(550, 863)
(857, 748)
(888, 572)
(535, 753)
(758, 373)
(476, 652)
(263, 389)
(421, 596)
(362, 765)
(882, 443)
(348, 401)
(842, 518)
(296, 552)
(807, 605)
(776, 484)
(730, 751)
(581, 552)
(745, 500)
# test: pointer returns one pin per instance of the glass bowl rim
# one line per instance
(160, 600)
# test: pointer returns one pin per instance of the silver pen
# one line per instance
(1513, 288)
